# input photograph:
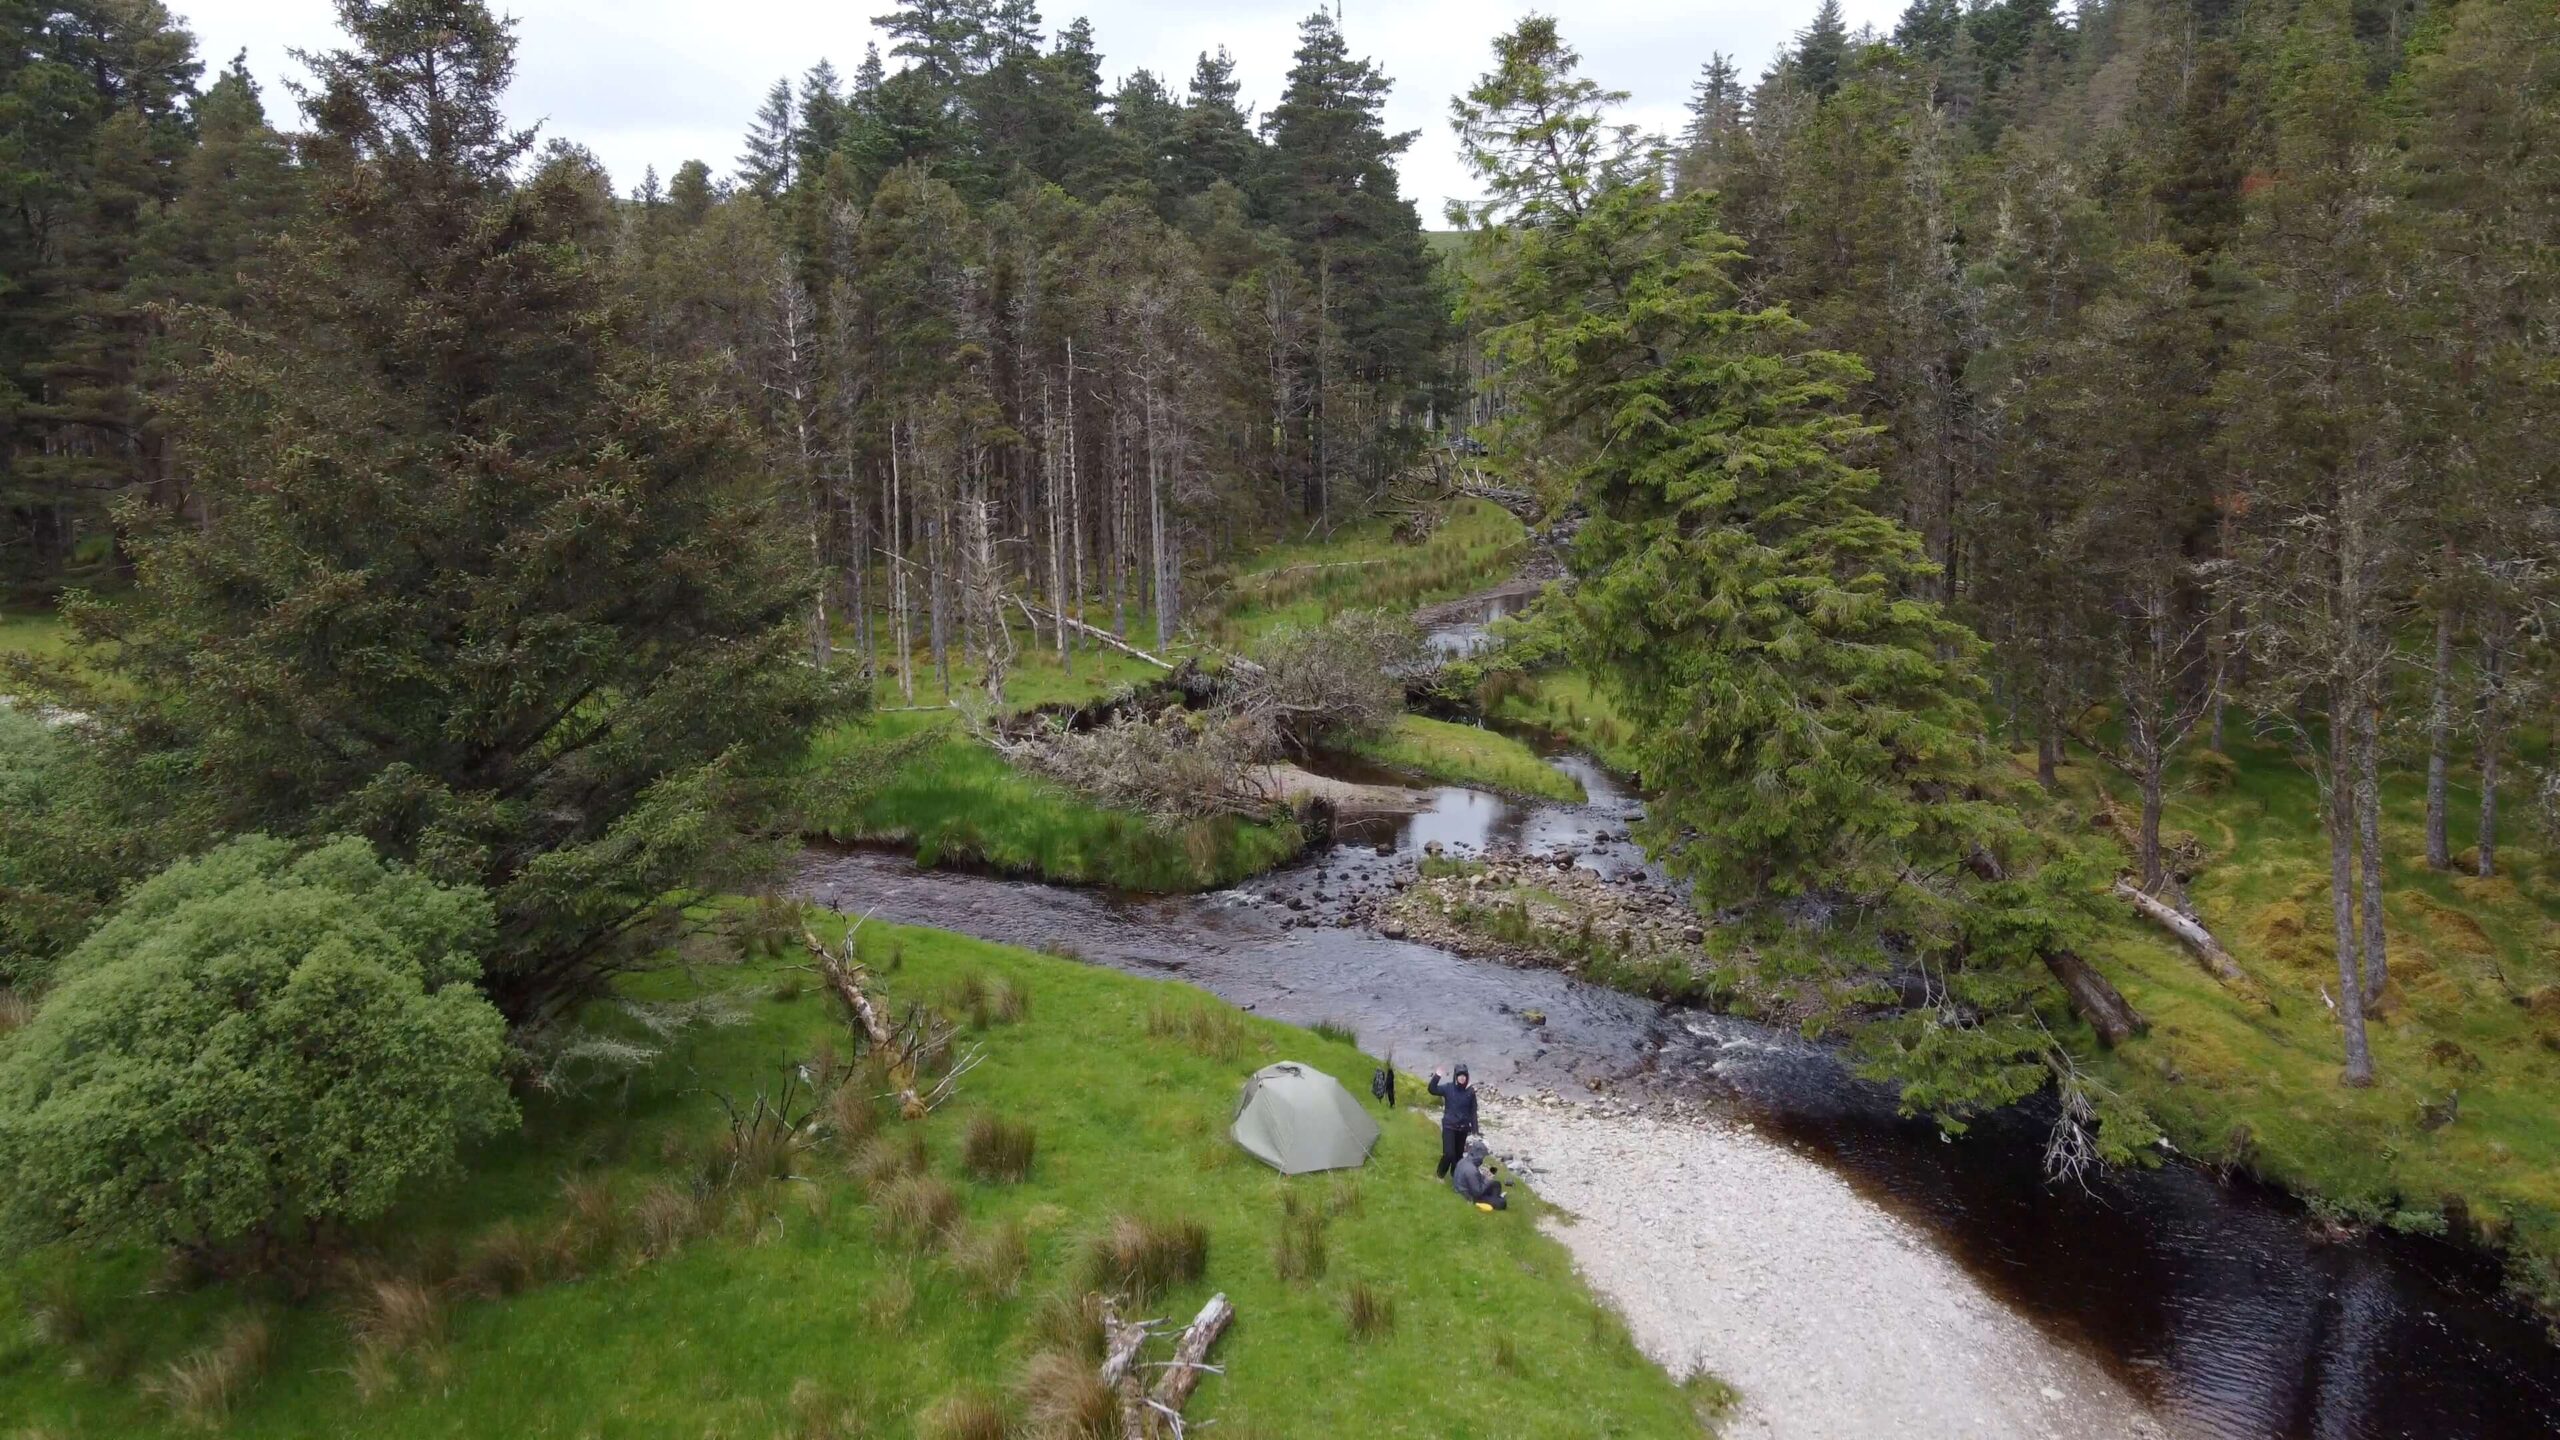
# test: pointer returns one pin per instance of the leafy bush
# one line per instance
(253, 1043)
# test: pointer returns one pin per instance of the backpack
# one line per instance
(1382, 1085)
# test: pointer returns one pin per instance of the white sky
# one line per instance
(644, 82)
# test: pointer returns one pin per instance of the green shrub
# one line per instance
(255, 1042)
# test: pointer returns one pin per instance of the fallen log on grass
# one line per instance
(2097, 1001)
(904, 1049)
(2207, 950)
(1190, 1357)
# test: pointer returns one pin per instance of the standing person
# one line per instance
(1457, 1116)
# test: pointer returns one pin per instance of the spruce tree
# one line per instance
(481, 581)
(773, 144)
(1806, 720)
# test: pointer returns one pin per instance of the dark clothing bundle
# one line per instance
(1473, 1182)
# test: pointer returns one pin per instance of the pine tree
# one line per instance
(482, 581)
(1331, 188)
(1213, 141)
(1821, 57)
(773, 144)
(1805, 719)
(1716, 108)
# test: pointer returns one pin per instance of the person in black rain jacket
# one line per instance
(1457, 1116)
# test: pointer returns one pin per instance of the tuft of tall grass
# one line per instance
(199, 1388)
(1070, 1323)
(1300, 1254)
(55, 1309)
(508, 1259)
(890, 1302)
(998, 1151)
(1063, 1398)
(1143, 1257)
(394, 1313)
(852, 1112)
(1369, 1311)
(16, 1009)
(1338, 1031)
(885, 1159)
(820, 1412)
(963, 1415)
(591, 1220)
(1213, 1032)
(915, 1210)
(667, 1215)
(991, 1262)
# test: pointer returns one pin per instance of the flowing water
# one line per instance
(2214, 1300)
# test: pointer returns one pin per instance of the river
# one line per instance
(2212, 1300)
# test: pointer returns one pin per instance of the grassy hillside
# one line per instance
(601, 1275)
(30, 632)
(2473, 1006)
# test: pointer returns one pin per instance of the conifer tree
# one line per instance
(773, 144)
(482, 581)
(1806, 719)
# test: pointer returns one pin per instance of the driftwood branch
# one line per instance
(905, 1047)
(2198, 939)
(1031, 611)
(1190, 1357)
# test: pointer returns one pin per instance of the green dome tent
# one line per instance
(1296, 1118)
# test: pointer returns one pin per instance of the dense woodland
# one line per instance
(2128, 379)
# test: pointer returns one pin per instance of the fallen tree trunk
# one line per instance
(845, 977)
(1122, 1340)
(2198, 939)
(2098, 1002)
(1028, 610)
(1190, 1356)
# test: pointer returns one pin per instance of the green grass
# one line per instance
(1468, 755)
(2474, 1005)
(1566, 703)
(747, 1326)
(1365, 567)
(32, 633)
(956, 802)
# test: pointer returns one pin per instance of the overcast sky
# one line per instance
(658, 82)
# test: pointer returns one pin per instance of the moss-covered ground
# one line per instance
(2473, 1006)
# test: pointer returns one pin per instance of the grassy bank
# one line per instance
(1365, 567)
(1566, 703)
(1468, 755)
(955, 802)
(593, 1277)
(2473, 1007)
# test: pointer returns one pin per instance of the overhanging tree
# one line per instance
(1807, 720)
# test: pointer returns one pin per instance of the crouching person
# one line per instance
(1473, 1179)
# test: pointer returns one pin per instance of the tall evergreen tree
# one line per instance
(772, 155)
(481, 581)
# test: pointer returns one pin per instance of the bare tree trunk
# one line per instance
(2339, 806)
(937, 533)
(1123, 525)
(2440, 741)
(858, 526)
(1160, 555)
(1075, 504)
(982, 594)
(898, 571)
(2493, 666)
(1050, 467)
(2369, 824)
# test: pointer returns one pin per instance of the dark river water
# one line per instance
(2213, 1300)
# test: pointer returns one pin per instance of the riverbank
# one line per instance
(1728, 1252)
(606, 1266)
